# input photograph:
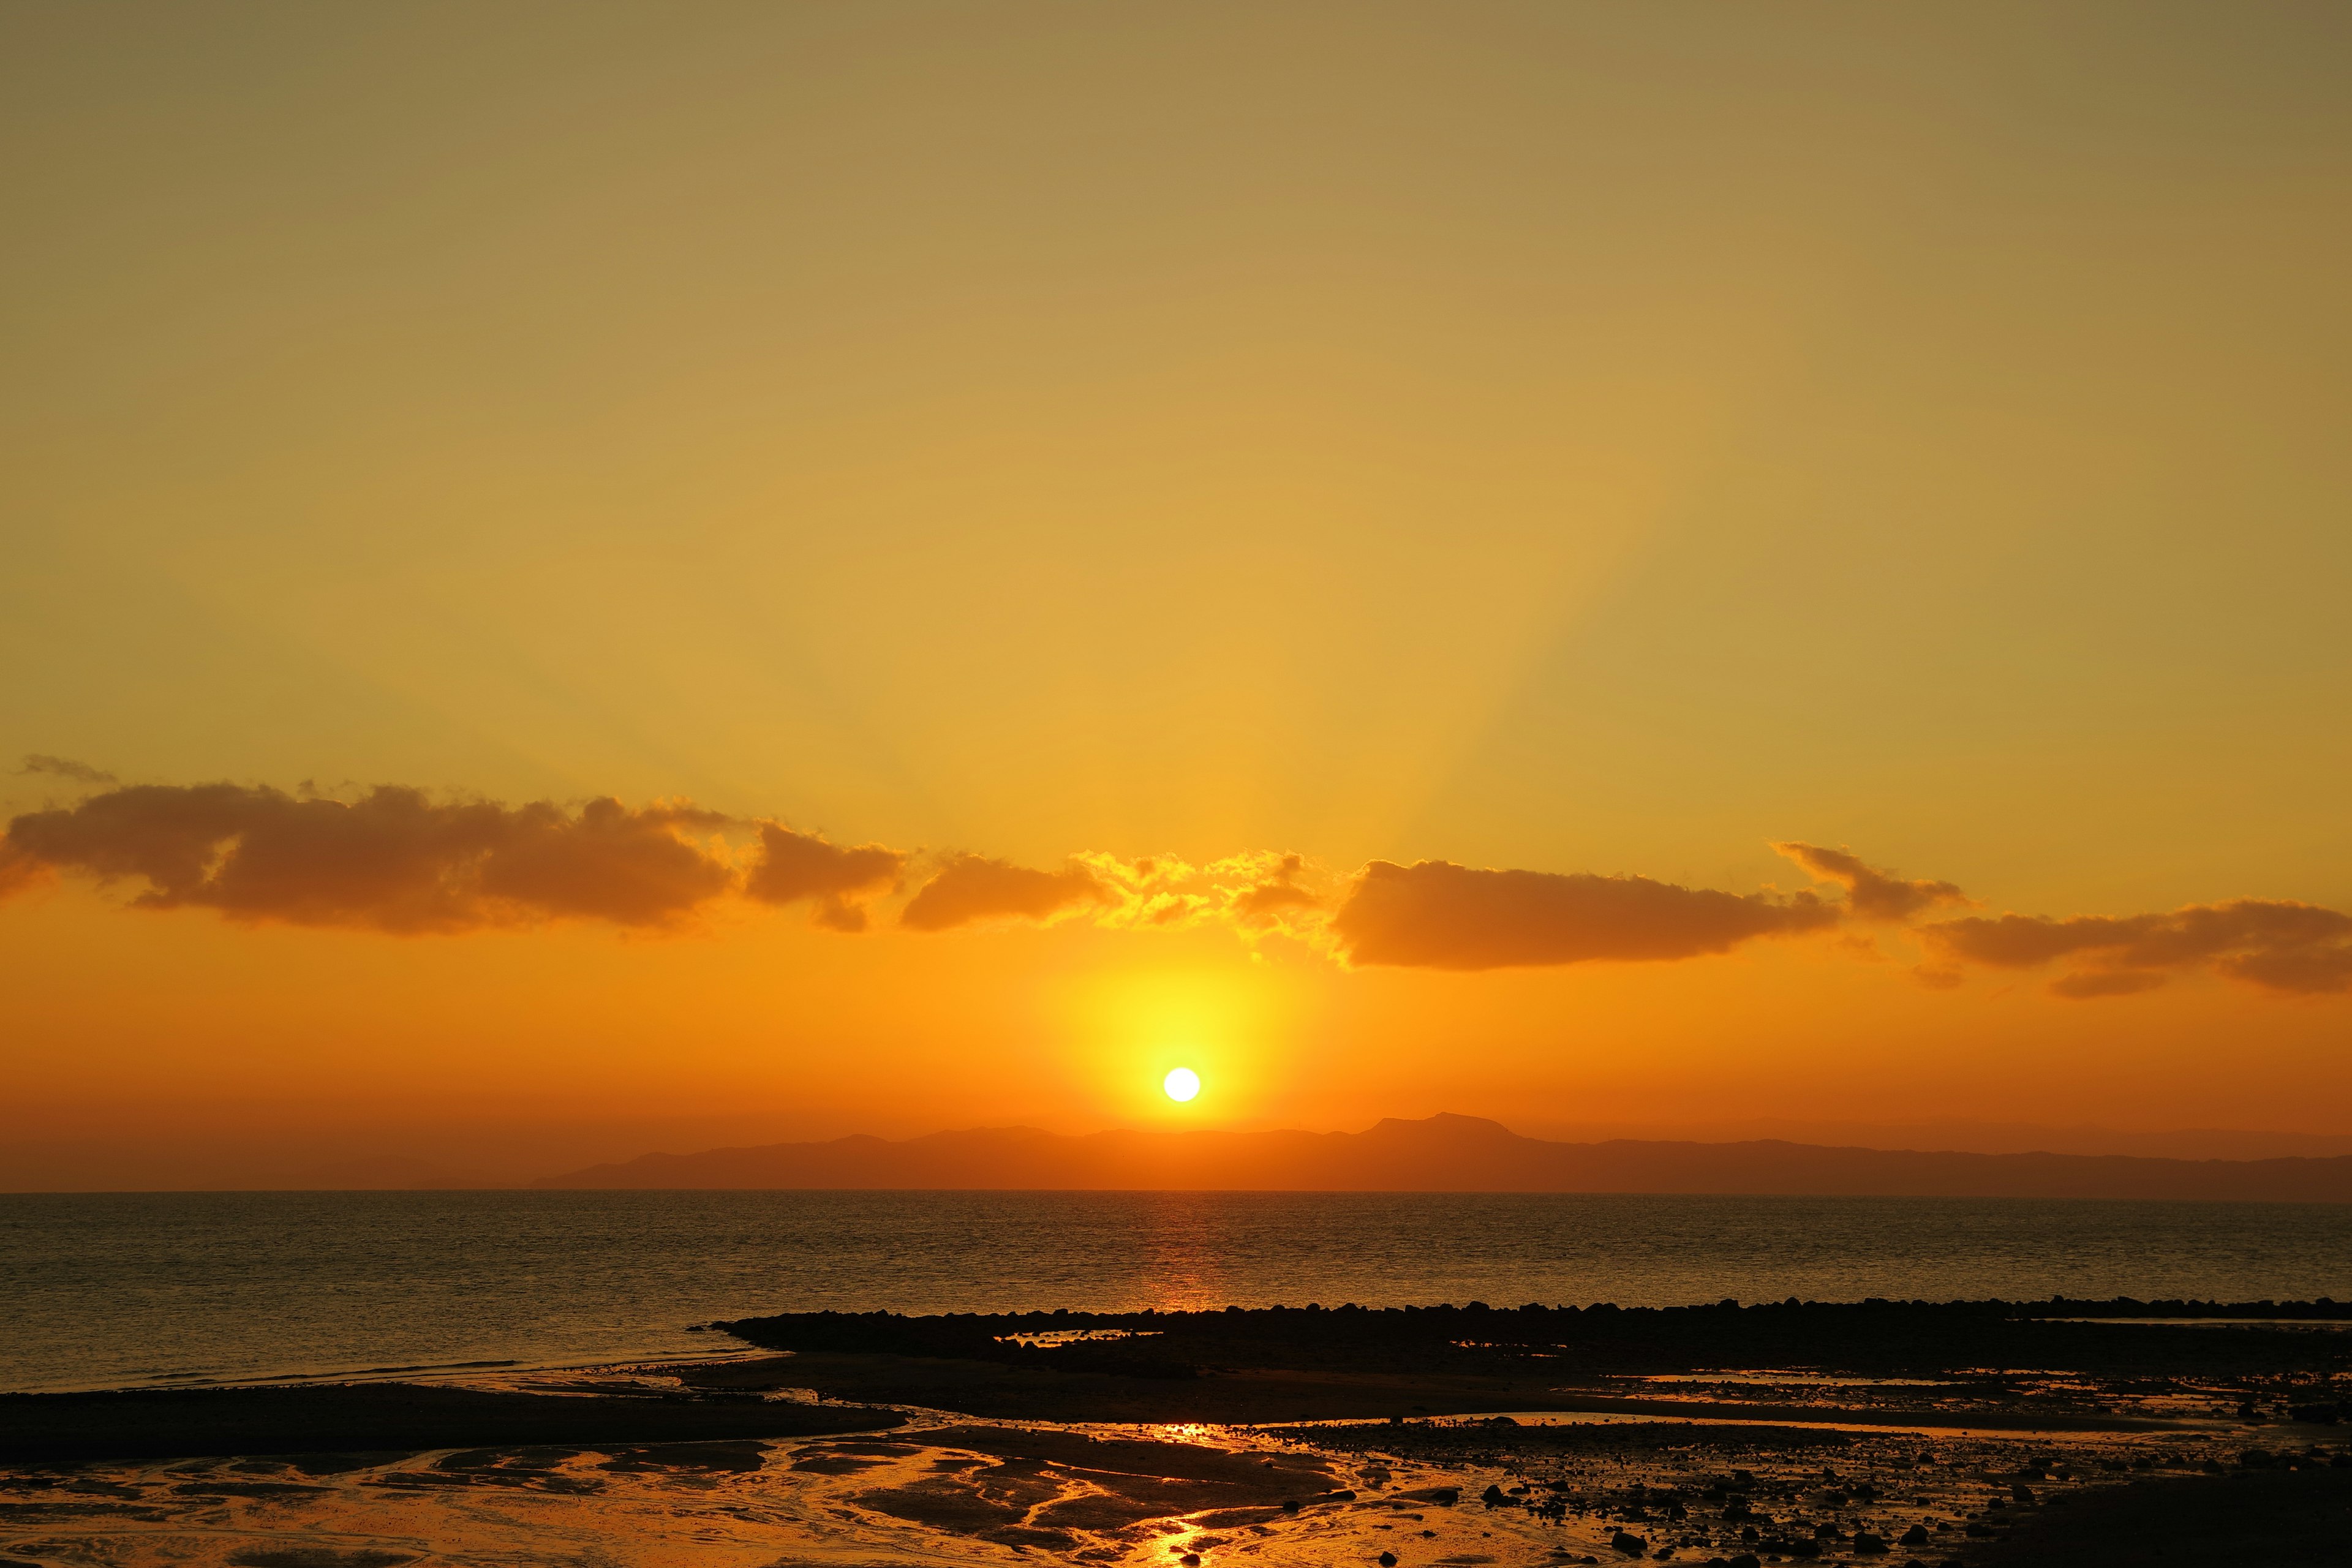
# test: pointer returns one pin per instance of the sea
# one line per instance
(114, 1290)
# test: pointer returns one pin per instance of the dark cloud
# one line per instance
(972, 887)
(796, 866)
(66, 768)
(2281, 945)
(1277, 893)
(1871, 891)
(1438, 915)
(393, 860)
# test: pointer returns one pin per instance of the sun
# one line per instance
(1183, 1083)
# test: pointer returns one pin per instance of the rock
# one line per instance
(1747, 1560)
(2022, 1492)
(1495, 1497)
(1915, 1536)
(1630, 1545)
(1388, 1560)
(1868, 1545)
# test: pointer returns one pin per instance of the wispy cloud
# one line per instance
(66, 768)
(1872, 893)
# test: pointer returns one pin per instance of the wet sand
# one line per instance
(1130, 1453)
(1428, 1494)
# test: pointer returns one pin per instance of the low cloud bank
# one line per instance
(2303, 949)
(1439, 915)
(393, 860)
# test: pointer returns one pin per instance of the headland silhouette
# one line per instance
(1448, 1152)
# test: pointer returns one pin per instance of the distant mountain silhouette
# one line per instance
(1454, 1153)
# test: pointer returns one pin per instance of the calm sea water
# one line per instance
(116, 1289)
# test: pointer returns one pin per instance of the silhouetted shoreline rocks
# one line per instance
(382, 1416)
(1872, 1338)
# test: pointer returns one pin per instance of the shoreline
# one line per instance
(1287, 1439)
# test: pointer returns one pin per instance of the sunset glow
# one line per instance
(1570, 564)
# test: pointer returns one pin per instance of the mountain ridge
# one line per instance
(1449, 1153)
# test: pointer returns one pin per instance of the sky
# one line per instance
(586, 578)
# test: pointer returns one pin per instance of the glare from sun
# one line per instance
(1182, 1084)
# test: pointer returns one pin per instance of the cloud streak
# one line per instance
(2296, 948)
(1439, 915)
(66, 768)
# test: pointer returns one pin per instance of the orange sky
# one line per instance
(1579, 441)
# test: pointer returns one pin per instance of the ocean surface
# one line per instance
(103, 1291)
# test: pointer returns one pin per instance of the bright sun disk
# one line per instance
(1183, 1083)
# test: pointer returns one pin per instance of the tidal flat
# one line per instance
(1982, 1433)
